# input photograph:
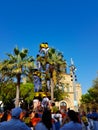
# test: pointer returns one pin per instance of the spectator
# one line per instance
(45, 102)
(15, 123)
(84, 121)
(6, 116)
(35, 120)
(57, 122)
(73, 122)
(46, 123)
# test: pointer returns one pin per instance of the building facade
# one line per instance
(74, 91)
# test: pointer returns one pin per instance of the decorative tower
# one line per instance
(74, 79)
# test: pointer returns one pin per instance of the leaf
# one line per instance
(16, 51)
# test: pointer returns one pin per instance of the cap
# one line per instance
(16, 112)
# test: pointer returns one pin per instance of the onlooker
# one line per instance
(45, 102)
(57, 122)
(15, 123)
(73, 122)
(59, 116)
(84, 121)
(46, 123)
(27, 118)
(6, 116)
(35, 120)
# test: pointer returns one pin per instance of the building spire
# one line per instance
(72, 63)
(72, 67)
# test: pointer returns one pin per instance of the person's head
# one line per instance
(46, 118)
(83, 113)
(36, 115)
(72, 115)
(16, 112)
(5, 116)
(22, 114)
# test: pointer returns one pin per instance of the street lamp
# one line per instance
(74, 79)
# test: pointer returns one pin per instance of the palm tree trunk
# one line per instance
(52, 90)
(17, 96)
(17, 91)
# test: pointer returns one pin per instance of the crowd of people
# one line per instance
(43, 117)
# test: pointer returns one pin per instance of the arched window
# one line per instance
(63, 104)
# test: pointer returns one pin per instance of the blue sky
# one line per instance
(71, 26)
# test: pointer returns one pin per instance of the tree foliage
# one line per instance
(27, 92)
(59, 94)
(18, 69)
(16, 66)
(91, 96)
(8, 92)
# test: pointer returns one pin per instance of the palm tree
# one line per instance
(57, 65)
(16, 66)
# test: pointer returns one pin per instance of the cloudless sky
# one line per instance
(70, 26)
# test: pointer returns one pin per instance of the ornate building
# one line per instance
(74, 90)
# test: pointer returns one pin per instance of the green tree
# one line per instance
(7, 94)
(27, 93)
(9, 90)
(59, 94)
(57, 66)
(86, 98)
(91, 97)
(16, 66)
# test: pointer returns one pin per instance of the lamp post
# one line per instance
(74, 79)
